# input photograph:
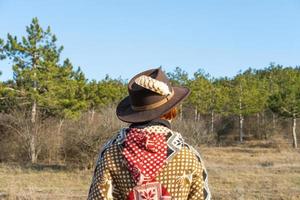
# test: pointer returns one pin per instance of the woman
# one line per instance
(148, 160)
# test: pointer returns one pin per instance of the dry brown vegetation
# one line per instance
(38, 183)
(234, 173)
(264, 167)
(253, 173)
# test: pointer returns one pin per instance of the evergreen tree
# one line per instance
(111, 91)
(270, 76)
(2, 52)
(36, 69)
(201, 93)
(34, 58)
(1, 84)
(179, 77)
(104, 93)
(286, 102)
(10, 96)
(66, 89)
(93, 98)
(222, 87)
(248, 96)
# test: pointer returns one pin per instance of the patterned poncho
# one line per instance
(149, 162)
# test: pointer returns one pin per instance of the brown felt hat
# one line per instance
(150, 96)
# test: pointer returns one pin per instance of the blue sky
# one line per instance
(124, 37)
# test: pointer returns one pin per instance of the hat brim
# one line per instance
(127, 114)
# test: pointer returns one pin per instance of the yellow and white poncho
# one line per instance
(183, 174)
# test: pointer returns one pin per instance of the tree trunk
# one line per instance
(212, 121)
(33, 113)
(33, 154)
(258, 126)
(196, 114)
(265, 133)
(33, 110)
(33, 150)
(61, 121)
(294, 131)
(274, 120)
(92, 115)
(241, 118)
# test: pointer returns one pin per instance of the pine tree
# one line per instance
(248, 96)
(2, 56)
(36, 68)
(111, 91)
(222, 87)
(179, 77)
(201, 93)
(286, 102)
(34, 58)
(2, 51)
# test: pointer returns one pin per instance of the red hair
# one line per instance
(170, 115)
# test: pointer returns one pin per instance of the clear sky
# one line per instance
(124, 37)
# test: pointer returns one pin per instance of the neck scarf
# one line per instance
(145, 153)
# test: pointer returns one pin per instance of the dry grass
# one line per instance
(234, 173)
(20, 183)
(253, 173)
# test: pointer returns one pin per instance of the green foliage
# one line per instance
(10, 97)
(111, 90)
(178, 76)
(34, 58)
(2, 54)
(286, 99)
(221, 96)
(105, 92)
(248, 94)
(66, 90)
(201, 96)
(56, 89)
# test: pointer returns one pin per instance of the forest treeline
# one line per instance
(49, 110)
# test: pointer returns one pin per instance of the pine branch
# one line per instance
(286, 110)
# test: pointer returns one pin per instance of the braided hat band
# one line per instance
(152, 84)
(156, 86)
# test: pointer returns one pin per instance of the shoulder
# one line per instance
(112, 144)
(195, 152)
(176, 144)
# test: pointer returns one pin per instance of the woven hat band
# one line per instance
(153, 105)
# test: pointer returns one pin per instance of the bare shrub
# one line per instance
(23, 139)
(193, 132)
(74, 142)
(51, 141)
(77, 142)
(8, 141)
(83, 139)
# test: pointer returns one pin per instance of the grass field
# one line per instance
(253, 173)
(234, 173)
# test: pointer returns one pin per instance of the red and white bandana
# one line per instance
(146, 154)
